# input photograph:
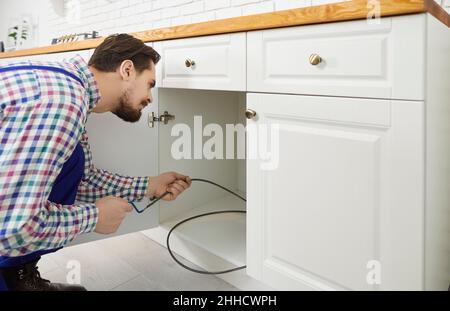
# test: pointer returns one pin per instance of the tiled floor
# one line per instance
(129, 262)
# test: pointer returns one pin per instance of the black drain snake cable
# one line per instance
(194, 217)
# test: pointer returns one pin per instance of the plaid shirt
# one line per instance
(42, 118)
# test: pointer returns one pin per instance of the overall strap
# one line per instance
(48, 68)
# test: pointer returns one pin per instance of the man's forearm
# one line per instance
(100, 183)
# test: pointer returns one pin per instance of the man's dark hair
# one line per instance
(116, 48)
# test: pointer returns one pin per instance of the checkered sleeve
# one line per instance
(37, 137)
(98, 183)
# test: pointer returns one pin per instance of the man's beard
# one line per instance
(125, 110)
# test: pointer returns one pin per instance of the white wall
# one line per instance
(114, 16)
(10, 10)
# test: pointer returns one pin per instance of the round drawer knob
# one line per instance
(315, 59)
(189, 63)
(250, 114)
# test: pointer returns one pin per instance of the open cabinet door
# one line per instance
(129, 149)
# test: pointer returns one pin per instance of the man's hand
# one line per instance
(171, 181)
(111, 212)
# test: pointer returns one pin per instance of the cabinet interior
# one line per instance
(222, 234)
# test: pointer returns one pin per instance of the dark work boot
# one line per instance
(28, 278)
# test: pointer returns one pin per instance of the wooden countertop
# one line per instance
(342, 11)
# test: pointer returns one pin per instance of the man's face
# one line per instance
(136, 95)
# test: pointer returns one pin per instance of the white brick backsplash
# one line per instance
(92, 11)
(113, 15)
(128, 11)
(179, 2)
(229, 12)
(134, 2)
(242, 2)
(161, 24)
(291, 4)
(216, 4)
(143, 7)
(321, 2)
(192, 8)
(203, 17)
(137, 15)
(257, 8)
(170, 12)
(182, 20)
(89, 4)
(158, 4)
(121, 22)
(114, 6)
(152, 16)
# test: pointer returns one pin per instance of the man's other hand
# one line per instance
(111, 212)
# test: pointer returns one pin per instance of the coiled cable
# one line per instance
(195, 217)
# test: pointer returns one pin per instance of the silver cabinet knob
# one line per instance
(189, 63)
(250, 114)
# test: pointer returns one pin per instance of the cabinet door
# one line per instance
(339, 203)
(129, 149)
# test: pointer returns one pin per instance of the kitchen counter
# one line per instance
(342, 11)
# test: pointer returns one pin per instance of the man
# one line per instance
(45, 160)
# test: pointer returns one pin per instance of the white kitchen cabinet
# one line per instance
(361, 184)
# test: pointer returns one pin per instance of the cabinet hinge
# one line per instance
(165, 118)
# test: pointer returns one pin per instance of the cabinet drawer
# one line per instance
(217, 63)
(358, 59)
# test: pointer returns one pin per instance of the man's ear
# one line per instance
(126, 69)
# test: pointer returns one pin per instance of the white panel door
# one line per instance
(129, 149)
(340, 196)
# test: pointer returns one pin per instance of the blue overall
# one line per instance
(64, 191)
